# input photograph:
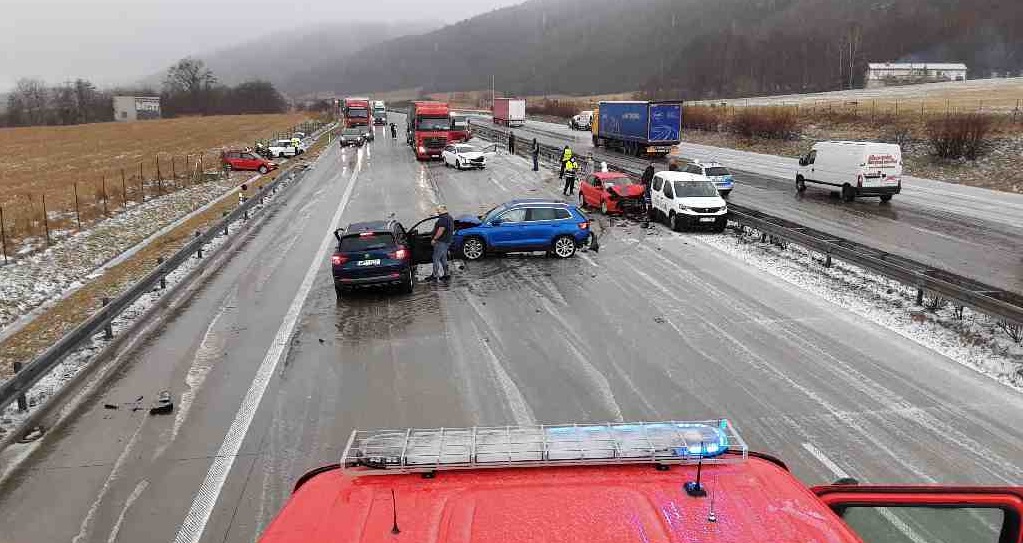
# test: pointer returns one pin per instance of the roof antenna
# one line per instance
(694, 488)
(394, 509)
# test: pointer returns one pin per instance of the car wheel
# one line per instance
(280, 155)
(603, 207)
(886, 197)
(563, 247)
(263, 169)
(409, 284)
(473, 248)
(848, 194)
(721, 228)
(458, 164)
(724, 194)
(674, 222)
(340, 291)
(800, 184)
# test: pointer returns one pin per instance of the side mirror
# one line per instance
(497, 222)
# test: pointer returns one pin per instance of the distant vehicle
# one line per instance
(460, 130)
(352, 136)
(379, 113)
(523, 226)
(855, 168)
(582, 121)
(355, 111)
(678, 481)
(377, 253)
(716, 172)
(509, 111)
(612, 192)
(638, 128)
(685, 200)
(463, 155)
(283, 148)
(246, 160)
(299, 135)
(428, 129)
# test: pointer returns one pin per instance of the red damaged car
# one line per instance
(612, 192)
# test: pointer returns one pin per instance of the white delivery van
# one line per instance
(854, 168)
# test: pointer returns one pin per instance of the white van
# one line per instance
(856, 168)
(582, 121)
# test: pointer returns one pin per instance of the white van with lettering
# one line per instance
(853, 168)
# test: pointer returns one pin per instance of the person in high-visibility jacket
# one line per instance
(570, 171)
(566, 155)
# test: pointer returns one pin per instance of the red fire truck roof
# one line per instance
(753, 501)
(586, 483)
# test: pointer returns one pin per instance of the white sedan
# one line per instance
(463, 155)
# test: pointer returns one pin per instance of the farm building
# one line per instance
(886, 74)
(136, 108)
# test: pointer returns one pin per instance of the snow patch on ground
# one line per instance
(974, 340)
(73, 363)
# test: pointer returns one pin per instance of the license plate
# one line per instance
(708, 219)
(373, 262)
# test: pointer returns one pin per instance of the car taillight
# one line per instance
(400, 254)
(584, 225)
(338, 259)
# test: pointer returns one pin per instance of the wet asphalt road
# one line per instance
(972, 232)
(656, 326)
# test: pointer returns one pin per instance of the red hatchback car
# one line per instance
(612, 192)
(247, 161)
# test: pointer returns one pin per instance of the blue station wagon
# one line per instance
(523, 226)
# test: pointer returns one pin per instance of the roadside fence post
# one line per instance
(163, 278)
(22, 400)
(108, 330)
(174, 168)
(142, 185)
(159, 178)
(223, 214)
(103, 181)
(124, 191)
(46, 222)
(3, 234)
(199, 252)
(78, 212)
(919, 296)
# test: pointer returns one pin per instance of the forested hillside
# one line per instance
(689, 48)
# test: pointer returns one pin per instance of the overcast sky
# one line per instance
(120, 41)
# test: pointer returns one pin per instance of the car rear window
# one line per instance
(366, 242)
(717, 170)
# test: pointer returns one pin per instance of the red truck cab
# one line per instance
(459, 128)
(429, 128)
(681, 482)
(356, 112)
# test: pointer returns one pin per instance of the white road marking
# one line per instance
(885, 513)
(139, 489)
(205, 499)
(589, 259)
(85, 530)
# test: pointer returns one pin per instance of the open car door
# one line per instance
(928, 514)
(419, 242)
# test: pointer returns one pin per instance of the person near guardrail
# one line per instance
(243, 193)
(566, 155)
(646, 180)
(394, 132)
(535, 150)
(511, 142)
(570, 167)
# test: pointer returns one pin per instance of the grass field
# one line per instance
(55, 162)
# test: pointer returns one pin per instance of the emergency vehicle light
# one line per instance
(417, 450)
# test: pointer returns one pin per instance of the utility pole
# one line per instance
(493, 91)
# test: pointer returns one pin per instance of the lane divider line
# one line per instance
(205, 500)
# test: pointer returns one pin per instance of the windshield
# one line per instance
(364, 242)
(717, 171)
(459, 122)
(465, 149)
(617, 181)
(691, 189)
(357, 113)
(434, 123)
(494, 211)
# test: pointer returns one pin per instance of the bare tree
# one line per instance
(27, 104)
(190, 83)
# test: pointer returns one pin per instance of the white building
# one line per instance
(884, 74)
(136, 108)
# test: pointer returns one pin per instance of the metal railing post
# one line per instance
(163, 278)
(22, 400)
(108, 329)
(199, 251)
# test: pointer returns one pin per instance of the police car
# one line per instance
(716, 172)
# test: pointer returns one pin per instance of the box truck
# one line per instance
(510, 111)
(638, 128)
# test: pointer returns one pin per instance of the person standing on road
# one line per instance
(673, 165)
(535, 150)
(443, 230)
(646, 180)
(570, 170)
(394, 132)
(566, 155)
(511, 143)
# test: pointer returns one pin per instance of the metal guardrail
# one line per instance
(993, 301)
(22, 381)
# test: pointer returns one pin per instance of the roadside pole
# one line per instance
(78, 212)
(46, 222)
(3, 234)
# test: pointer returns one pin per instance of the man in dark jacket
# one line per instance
(535, 150)
(511, 143)
(443, 231)
(646, 180)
